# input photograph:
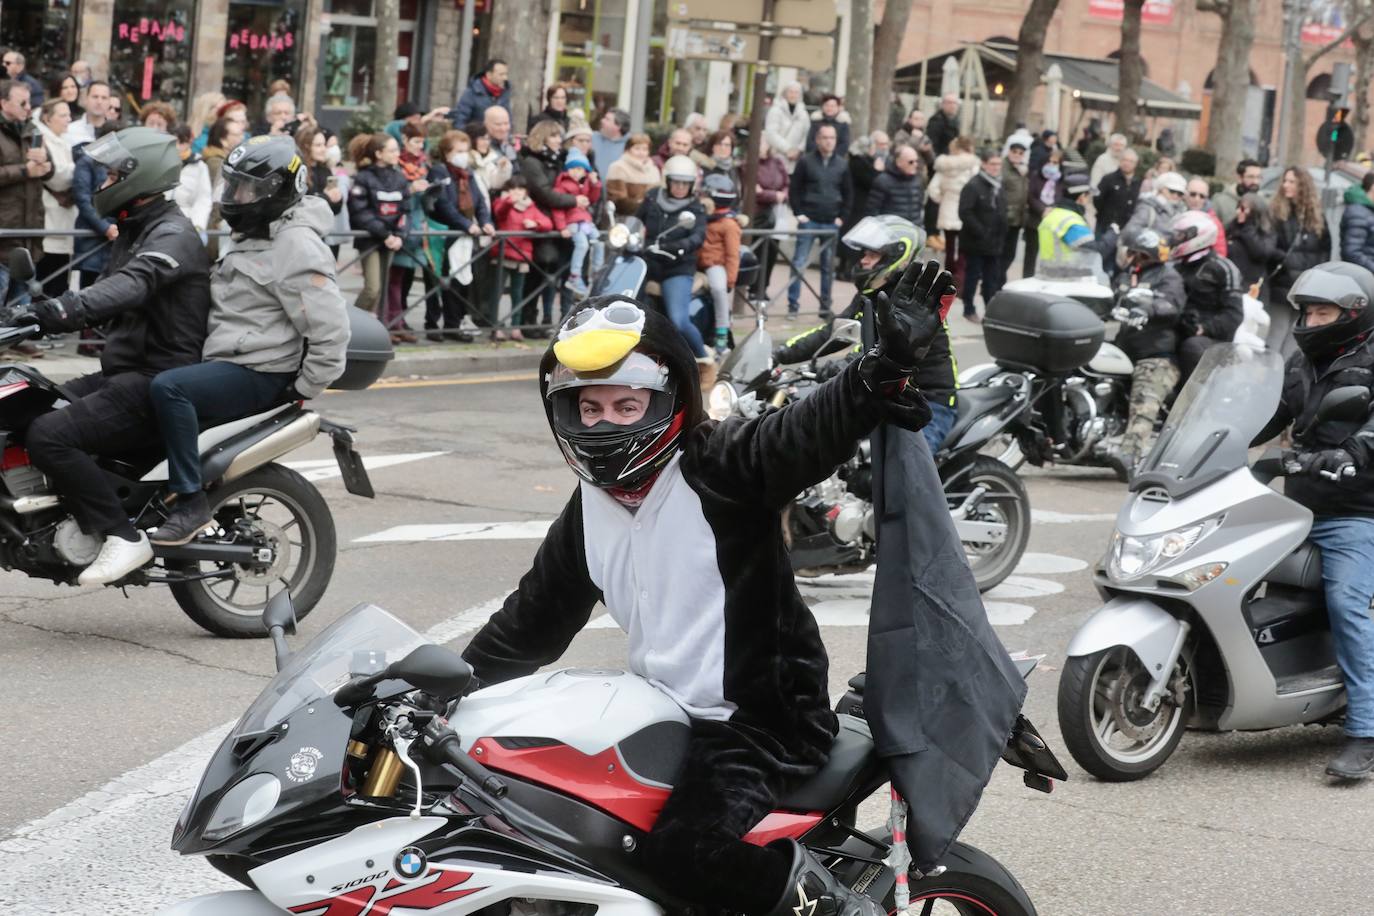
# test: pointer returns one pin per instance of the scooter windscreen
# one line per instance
(287, 752)
(1230, 397)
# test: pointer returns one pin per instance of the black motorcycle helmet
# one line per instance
(613, 340)
(263, 178)
(1347, 286)
(1145, 247)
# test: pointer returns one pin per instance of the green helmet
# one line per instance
(143, 162)
(893, 239)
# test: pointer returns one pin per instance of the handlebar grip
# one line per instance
(448, 749)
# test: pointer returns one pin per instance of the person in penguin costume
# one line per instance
(676, 527)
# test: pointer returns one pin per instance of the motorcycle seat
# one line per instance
(972, 403)
(852, 763)
(1301, 569)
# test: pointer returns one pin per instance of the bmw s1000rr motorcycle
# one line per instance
(364, 781)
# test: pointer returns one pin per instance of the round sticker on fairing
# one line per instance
(300, 180)
(237, 154)
(411, 862)
(303, 764)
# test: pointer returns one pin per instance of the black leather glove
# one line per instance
(1329, 464)
(62, 314)
(908, 322)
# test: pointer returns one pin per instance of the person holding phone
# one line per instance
(24, 166)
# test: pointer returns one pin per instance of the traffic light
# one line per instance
(1335, 139)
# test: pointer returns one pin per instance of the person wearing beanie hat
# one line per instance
(676, 526)
(578, 180)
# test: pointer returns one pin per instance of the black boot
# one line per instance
(190, 515)
(1355, 760)
(812, 890)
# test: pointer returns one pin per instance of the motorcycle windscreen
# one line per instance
(623, 277)
(753, 356)
(1229, 399)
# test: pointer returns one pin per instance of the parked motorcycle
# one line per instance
(363, 780)
(831, 527)
(271, 527)
(1215, 615)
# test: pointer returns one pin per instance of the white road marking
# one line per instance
(1040, 564)
(470, 531)
(328, 468)
(1023, 587)
(108, 851)
(1051, 517)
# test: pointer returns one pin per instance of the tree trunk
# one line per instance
(1129, 70)
(384, 60)
(1030, 53)
(896, 13)
(857, 83)
(1364, 72)
(518, 31)
(684, 93)
(1295, 96)
(1231, 83)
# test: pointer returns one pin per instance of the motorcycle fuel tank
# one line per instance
(1111, 361)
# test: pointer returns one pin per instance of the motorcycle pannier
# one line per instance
(1041, 332)
(369, 350)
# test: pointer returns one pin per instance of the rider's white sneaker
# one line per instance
(116, 560)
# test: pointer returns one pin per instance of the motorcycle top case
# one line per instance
(369, 350)
(1042, 332)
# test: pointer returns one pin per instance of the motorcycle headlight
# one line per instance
(243, 806)
(619, 236)
(720, 403)
(1131, 557)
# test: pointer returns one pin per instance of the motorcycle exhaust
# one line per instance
(292, 436)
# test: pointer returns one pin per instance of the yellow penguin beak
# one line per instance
(594, 350)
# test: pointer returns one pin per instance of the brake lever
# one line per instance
(1345, 470)
(402, 747)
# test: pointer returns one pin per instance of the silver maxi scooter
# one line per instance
(1215, 615)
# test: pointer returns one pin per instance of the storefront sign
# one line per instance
(1155, 12)
(248, 40)
(145, 30)
(1324, 22)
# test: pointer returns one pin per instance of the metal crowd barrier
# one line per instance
(492, 263)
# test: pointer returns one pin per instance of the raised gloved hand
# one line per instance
(1328, 464)
(908, 321)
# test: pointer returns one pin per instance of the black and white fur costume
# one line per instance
(699, 578)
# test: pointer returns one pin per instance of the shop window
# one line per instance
(263, 45)
(350, 50)
(42, 31)
(150, 50)
(591, 51)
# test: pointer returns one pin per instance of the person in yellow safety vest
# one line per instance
(1063, 230)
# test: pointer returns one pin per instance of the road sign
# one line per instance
(806, 51)
(811, 15)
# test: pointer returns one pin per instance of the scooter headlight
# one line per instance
(243, 806)
(1131, 557)
(720, 403)
(619, 236)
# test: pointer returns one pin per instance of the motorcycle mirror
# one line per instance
(435, 670)
(279, 617)
(21, 264)
(686, 219)
(1348, 403)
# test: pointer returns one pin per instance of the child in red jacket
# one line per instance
(514, 211)
(575, 222)
(719, 254)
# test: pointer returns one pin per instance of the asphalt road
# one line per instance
(112, 703)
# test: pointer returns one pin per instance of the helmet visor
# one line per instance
(1318, 286)
(869, 234)
(113, 156)
(638, 370)
(244, 189)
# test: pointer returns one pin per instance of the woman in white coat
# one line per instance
(952, 171)
(59, 209)
(787, 125)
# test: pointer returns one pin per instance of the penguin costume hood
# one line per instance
(613, 340)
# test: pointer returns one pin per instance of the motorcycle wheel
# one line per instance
(1106, 729)
(973, 884)
(1005, 502)
(276, 507)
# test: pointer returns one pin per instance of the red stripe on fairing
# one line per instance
(782, 825)
(13, 388)
(666, 440)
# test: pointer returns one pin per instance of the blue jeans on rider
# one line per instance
(677, 300)
(827, 263)
(1347, 546)
(19, 294)
(184, 398)
(942, 418)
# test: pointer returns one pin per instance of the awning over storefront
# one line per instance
(1092, 81)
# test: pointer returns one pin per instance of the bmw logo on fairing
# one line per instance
(411, 862)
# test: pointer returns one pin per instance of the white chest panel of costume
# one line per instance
(658, 573)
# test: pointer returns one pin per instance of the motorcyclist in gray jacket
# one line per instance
(278, 328)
